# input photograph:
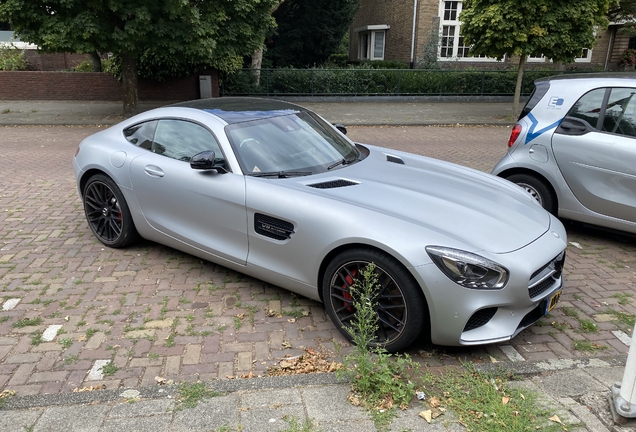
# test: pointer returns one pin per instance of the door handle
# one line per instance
(153, 171)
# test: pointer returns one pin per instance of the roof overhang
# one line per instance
(372, 27)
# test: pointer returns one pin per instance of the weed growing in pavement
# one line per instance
(587, 346)
(109, 369)
(627, 319)
(379, 381)
(561, 326)
(577, 297)
(623, 298)
(588, 326)
(36, 338)
(90, 332)
(25, 322)
(4, 319)
(295, 425)
(570, 312)
(4, 396)
(484, 402)
(66, 342)
(190, 394)
(237, 323)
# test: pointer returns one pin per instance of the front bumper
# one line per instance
(462, 316)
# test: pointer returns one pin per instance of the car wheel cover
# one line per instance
(390, 302)
(534, 193)
(103, 212)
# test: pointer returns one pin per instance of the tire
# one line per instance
(401, 306)
(538, 188)
(107, 212)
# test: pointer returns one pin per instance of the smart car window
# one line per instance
(620, 113)
(588, 108)
(141, 134)
(179, 139)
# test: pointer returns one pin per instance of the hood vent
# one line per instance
(332, 184)
(394, 159)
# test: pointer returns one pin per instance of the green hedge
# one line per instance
(366, 81)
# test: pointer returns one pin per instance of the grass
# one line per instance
(484, 402)
(26, 322)
(109, 369)
(66, 342)
(190, 394)
(4, 319)
(587, 346)
(624, 318)
(90, 332)
(570, 312)
(36, 338)
(623, 298)
(588, 326)
(295, 425)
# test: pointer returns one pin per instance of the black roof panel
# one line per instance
(237, 109)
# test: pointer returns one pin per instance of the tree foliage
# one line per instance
(211, 32)
(309, 31)
(558, 29)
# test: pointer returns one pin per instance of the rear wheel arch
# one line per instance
(526, 172)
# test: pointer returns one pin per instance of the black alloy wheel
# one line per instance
(400, 305)
(107, 213)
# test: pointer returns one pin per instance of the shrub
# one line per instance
(12, 59)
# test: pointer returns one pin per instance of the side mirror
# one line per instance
(342, 128)
(206, 160)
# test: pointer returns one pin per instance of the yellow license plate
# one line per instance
(552, 301)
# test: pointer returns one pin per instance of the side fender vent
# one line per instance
(272, 227)
(333, 184)
(394, 159)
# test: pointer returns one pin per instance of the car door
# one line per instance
(595, 149)
(204, 209)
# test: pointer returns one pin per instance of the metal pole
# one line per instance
(624, 394)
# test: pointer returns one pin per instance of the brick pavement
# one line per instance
(70, 305)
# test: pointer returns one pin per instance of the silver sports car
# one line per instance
(270, 189)
(574, 148)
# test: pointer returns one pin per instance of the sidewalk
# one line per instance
(576, 390)
(369, 111)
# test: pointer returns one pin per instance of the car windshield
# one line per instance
(295, 143)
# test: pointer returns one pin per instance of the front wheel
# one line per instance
(107, 213)
(400, 305)
(537, 188)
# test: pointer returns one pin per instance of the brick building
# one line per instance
(402, 29)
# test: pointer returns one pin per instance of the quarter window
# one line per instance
(141, 134)
(588, 108)
(620, 113)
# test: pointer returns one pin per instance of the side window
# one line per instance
(588, 108)
(620, 113)
(178, 139)
(141, 134)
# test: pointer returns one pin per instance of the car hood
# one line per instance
(477, 209)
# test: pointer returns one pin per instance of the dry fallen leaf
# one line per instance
(505, 400)
(434, 402)
(426, 415)
(286, 344)
(160, 380)
(291, 320)
(522, 396)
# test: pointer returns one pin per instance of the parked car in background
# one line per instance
(574, 148)
(270, 189)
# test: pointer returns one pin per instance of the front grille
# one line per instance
(546, 276)
(333, 184)
(480, 318)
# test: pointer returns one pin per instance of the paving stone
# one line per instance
(18, 420)
(86, 418)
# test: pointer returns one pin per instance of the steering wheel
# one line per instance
(247, 140)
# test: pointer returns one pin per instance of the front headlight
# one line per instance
(468, 269)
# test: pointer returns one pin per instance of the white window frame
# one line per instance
(454, 25)
(368, 37)
(586, 56)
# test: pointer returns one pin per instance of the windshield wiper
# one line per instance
(343, 161)
(281, 174)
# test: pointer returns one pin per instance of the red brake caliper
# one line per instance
(346, 294)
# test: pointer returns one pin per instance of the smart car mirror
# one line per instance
(206, 160)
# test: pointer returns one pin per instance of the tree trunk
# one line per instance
(129, 84)
(97, 61)
(515, 101)
(257, 61)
